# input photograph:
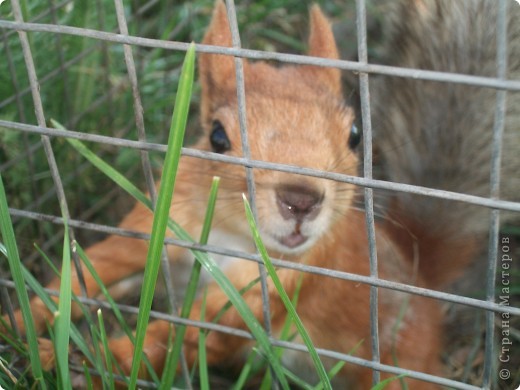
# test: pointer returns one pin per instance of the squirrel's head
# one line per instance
(295, 115)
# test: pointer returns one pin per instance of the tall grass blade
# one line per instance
(88, 377)
(112, 173)
(62, 322)
(113, 307)
(108, 378)
(286, 334)
(300, 383)
(332, 373)
(247, 368)
(13, 258)
(285, 298)
(239, 304)
(162, 211)
(191, 291)
(77, 337)
(203, 362)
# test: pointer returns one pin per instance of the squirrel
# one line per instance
(426, 133)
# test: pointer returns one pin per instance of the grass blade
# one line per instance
(162, 211)
(113, 174)
(203, 363)
(239, 304)
(339, 365)
(109, 377)
(77, 337)
(332, 373)
(13, 258)
(88, 377)
(113, 307)
(62, 321)
(247, 368)
(285, 298)
(381, 385)
(300, 383)
(191, 291)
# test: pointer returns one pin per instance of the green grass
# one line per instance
(161, 211)
(285, 299)
(63, 315)
(109, 377)
(191, 290)
(203, 258)
(13, 259)
(203, 365)
(206, 261)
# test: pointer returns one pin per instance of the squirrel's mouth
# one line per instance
(293, 240)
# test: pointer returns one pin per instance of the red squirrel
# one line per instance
(426, 133)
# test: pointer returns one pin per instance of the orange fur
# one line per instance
(296, 116)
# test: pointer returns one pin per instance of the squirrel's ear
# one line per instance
(323, 44)
(217, 72)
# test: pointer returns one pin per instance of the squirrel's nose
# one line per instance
(298, 202)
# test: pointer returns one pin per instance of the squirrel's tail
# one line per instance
(439, 135)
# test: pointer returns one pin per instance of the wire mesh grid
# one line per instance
(20, 48)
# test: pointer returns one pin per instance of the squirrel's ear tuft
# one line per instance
(321, 39)
(218, 32)
(323, 44)
(217, 72)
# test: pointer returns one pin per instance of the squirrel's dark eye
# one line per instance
(220, 142)
(355, 137)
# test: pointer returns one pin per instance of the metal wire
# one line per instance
(58, 71)
(494, 224)
(446, 77)
(246, 152)
(259, 164)
(410, 289)
(38, 108)
(367, 173)
(148, 174)
(285, 344)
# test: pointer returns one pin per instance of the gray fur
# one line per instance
(439, 135)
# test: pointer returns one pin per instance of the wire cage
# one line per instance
(107, 70)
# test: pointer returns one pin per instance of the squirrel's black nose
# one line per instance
(298, 202)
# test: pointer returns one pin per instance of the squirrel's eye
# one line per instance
(355, 137)
(220, 142)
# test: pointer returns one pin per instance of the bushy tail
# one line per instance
(439, 135)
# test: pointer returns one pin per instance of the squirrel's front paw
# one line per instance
(122, 350)
(46, 352)
(18, 318)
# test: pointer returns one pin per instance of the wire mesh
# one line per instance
(33, 212)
